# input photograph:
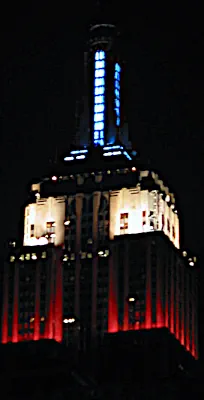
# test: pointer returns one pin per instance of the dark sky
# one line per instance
(42, 53)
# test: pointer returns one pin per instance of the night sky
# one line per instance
(42, 54)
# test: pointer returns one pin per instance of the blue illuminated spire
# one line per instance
(102, 121)
(99, 98)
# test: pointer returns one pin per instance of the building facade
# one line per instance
(101, 246)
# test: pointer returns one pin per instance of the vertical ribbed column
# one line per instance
(15, 305)
(50, 333)
(47, 298)
(187, 300)
(193, 317)
(182, 314)
(148, 306)
(4, 338)
(167, 283)
(79, 202)
(36, 335)
(126, 288)
(195, 307)
(159, 286)
(172, 300)
(96, 203)
(112, 294)
(58, 297)
(177, 301)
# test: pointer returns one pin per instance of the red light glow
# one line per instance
(15, 306)
(58, 300)
(36, 335)
(112, 300)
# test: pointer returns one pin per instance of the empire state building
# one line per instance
(101, 246)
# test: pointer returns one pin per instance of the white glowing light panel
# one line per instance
(117, 92)
(44, 222)
(133, 211)
(99, 98)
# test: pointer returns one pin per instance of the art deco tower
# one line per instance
(101, 247)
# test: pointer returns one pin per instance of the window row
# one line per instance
(99, 108)
(99, 82)
(100, 55)
(99, 90)
(98, 126)
(99, 134)
(98, 117)
(99, 99)
(99, 73)
(100, 64)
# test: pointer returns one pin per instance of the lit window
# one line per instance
(99, 82)
(12, 258)
(12, 244)
(99, 55)
(98, 126)
(117, 93)
(117, 103)
(99, 90)
(102, 55)
(99, 99)
(117, 75)
(117, 85)
(98, 117)
(99, 108)
(123, 222)
(100, 64)
(117, 67)
(99, 73)
(101, 134)
(50, 226)
(27, 257)
(96, 135)
(65, 258)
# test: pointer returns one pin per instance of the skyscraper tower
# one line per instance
(101, 246)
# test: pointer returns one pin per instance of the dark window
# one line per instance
(32, 230)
